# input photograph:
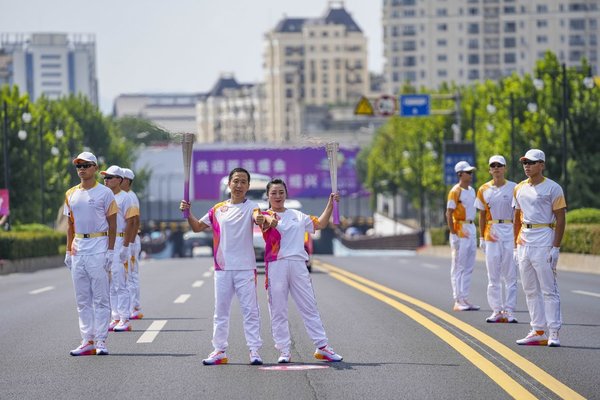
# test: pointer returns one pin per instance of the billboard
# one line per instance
(305, 170)
(4, 204)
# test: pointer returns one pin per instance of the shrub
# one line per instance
(16, 245)
(584, 216)
(439, 236)
(582, 239)
(32, 228)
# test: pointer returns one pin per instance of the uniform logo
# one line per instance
(224, 209)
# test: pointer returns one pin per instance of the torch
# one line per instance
(187, 143)
(332, 150)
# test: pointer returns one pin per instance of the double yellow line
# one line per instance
(505, 381)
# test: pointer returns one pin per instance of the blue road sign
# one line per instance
(414, 105)
(453, 153)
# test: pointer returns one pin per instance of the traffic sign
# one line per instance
(363, 107)
(453, 153)
(414, 105)
(386, 105)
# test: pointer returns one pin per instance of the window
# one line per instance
(510, 58)
(510, 10)
(50, 56)
(542, 8)
(441, 12)
(442, 73)
(577, 24)
(473, 44)
(289, 93)
(491, 59)
(576, 40)
(473, 74)
(411, 75)
(50, 65)
(542, 23)
(442, 27)
(51, 74)
(409, 61)
(578, 7)
(473, 28)
(442, 42)
(410, 12)
(409, 45)
(510, 42)
(473, 11)
(473, 59)
(542, 39)
(442, 57)
(510, 27)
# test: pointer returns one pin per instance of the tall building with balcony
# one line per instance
(427, 42)
(50, 64)
(232, 112)
(312, 62)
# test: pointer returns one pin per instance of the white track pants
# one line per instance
(242, 284)
(119, 293)
(133, 281)
(90, 281)
(292, 277)
(501, 270)
(463, 262)
(540, 287)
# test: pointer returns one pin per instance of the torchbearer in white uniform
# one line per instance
(234, 263)
(494, 201)
(135, 247)
(286, 272)
(540, 220)
(460, 216)
(92, 223)
(119, 293)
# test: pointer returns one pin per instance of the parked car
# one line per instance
(197, 243)
(259, 242)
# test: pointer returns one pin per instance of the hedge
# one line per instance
(578, 238)
(584, 216)
(17, 245)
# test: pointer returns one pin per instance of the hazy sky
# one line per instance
(177, 45)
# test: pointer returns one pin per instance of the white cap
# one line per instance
(497, 159)
(114, 170)
(127, 173)
(534, 155)
(86, 156)
(463, 166)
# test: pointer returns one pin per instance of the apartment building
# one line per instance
(232, 112)
(427, 42)
(312, 62)
(50, 64)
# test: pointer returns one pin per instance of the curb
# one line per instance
(30, 264)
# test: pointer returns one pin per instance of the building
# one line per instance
(50, 64)
(232, 112)
(175, 112)
(312, 62)
(463, 41)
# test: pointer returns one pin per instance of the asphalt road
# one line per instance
(390, 317)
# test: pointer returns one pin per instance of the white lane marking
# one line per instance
(430, 266)
(42, 290)
(152, 331)
(586, 293)
(207, 274)
(182, 298)
(198, 284)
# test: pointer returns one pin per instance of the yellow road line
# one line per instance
(527, 366)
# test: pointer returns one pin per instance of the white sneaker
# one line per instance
(255, 358)
(136, 314)
(284, 357)
(553, 340)
(472, 307)
(122, 326)
(86, 348)
(510, 318)
(495, 317)
(112, 324)
(460, 306)
(534, 339)
(101, 349)
(215, 358)
(327, 354)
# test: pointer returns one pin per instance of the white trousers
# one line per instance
(242, 284)
(501, 269)
(90, 281)
(540, 287)
(119, 293)
(463, 262)
(292, 277)
(133, 281)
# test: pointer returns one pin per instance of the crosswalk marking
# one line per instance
(182, 298)
(207, 274)
(153, 330)
(42, 290)
(198, 284)
(586, 293)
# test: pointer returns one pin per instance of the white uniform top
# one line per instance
(537, 204)
(88, 209)
(286, 241)
(232, 234)
(497, 202)
(462, 201)
(135, 207)
(126, 210)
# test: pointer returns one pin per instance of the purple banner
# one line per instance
(305, 171)
(4, 204)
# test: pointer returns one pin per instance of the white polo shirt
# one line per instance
(496, 201)
(286, 241)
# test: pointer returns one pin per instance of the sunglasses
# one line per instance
(84, 166)
(529, 162)
(467, 172)
(496, 165)
(108, 177)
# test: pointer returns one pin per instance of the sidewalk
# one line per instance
(572, 262)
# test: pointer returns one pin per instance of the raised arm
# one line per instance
(195, 224)
(326, 215)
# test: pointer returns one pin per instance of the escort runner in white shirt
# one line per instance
(494, 201)
(234, 263)
(540, 219)
(92, 213)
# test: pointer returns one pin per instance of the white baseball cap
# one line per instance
(127, 173)
(497, 159)
(86, 156)
(114, 170)
(463, 166)
(534, 155)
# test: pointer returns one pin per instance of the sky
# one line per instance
(167, 46)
